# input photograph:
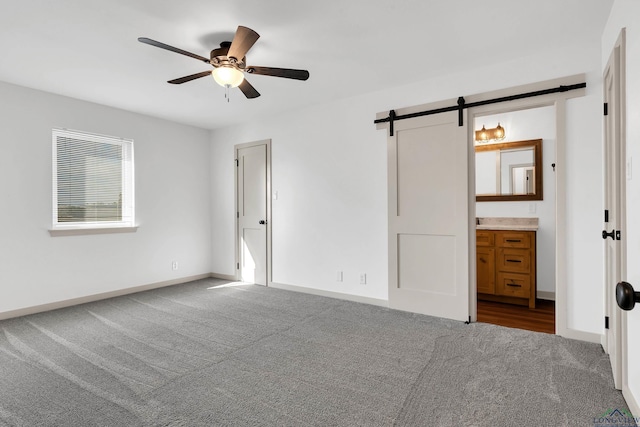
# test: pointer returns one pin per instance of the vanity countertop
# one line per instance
(496, 223)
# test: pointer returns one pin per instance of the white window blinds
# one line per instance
(92, 180)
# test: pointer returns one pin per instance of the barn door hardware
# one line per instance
(461, 105)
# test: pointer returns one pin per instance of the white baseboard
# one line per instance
(546, 295)
(631, 400)
(97, 297)
(224, 277)
(331, 294)
(581, 335)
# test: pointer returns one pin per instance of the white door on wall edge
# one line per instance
(614, 205)
(428, 193)
(252, 180)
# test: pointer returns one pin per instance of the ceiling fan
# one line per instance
(230, 63)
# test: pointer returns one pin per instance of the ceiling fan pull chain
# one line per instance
(226, 92)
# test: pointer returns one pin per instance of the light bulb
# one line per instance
(227, 76)
(483, 134)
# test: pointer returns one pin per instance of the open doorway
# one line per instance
(516, 244)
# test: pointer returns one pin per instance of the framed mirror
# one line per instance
(509, 171)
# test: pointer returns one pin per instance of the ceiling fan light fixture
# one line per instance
(227, 76)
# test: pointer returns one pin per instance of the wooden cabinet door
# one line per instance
(485, 266)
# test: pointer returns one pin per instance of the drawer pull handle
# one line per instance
(514, 240)
(483, 260)
(515, 285)
(514, 260)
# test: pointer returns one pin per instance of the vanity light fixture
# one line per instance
(491, 134)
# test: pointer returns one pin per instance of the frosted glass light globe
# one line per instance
(227, 76)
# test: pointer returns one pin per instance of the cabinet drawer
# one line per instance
(514, 260)
(484, 238)
(513, 239)
(513, 285)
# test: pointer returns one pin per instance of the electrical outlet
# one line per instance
(363, 278)
(339, 276)
(174, 265)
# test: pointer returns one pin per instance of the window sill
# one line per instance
(82, 231)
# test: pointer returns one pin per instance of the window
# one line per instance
(92, 181)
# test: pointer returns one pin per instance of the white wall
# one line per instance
(625, 13)
(173, 190)
(329, 172)
(329, 168)
(535, 123)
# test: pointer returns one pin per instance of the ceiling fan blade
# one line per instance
(287, 73)
(171, 48)
(242, 42)
(189, 78)
(248, 90)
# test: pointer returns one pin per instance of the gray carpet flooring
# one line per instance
(201, 355)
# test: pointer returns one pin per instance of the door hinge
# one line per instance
(238, 266)
(237, 162)
(237, 214)
(606, 108)
(606, 322)
(606, 215)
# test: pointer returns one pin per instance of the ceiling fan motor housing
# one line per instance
(219, 57)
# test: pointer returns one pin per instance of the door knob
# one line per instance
(626, 297)
(262, 222)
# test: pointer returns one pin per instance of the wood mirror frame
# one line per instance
(536, 144)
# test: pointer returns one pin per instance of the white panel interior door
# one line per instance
(252, 213)
(614, 205)
(428, 217)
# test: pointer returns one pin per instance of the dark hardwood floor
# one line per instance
(540, 319)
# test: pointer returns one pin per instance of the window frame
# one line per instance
(127, 222)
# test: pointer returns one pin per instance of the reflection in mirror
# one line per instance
(509, 171)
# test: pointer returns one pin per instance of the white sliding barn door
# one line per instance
(428, 216)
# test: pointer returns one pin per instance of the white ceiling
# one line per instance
(88, 49)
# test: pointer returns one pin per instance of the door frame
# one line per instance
(560, 183)
(236, 148)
